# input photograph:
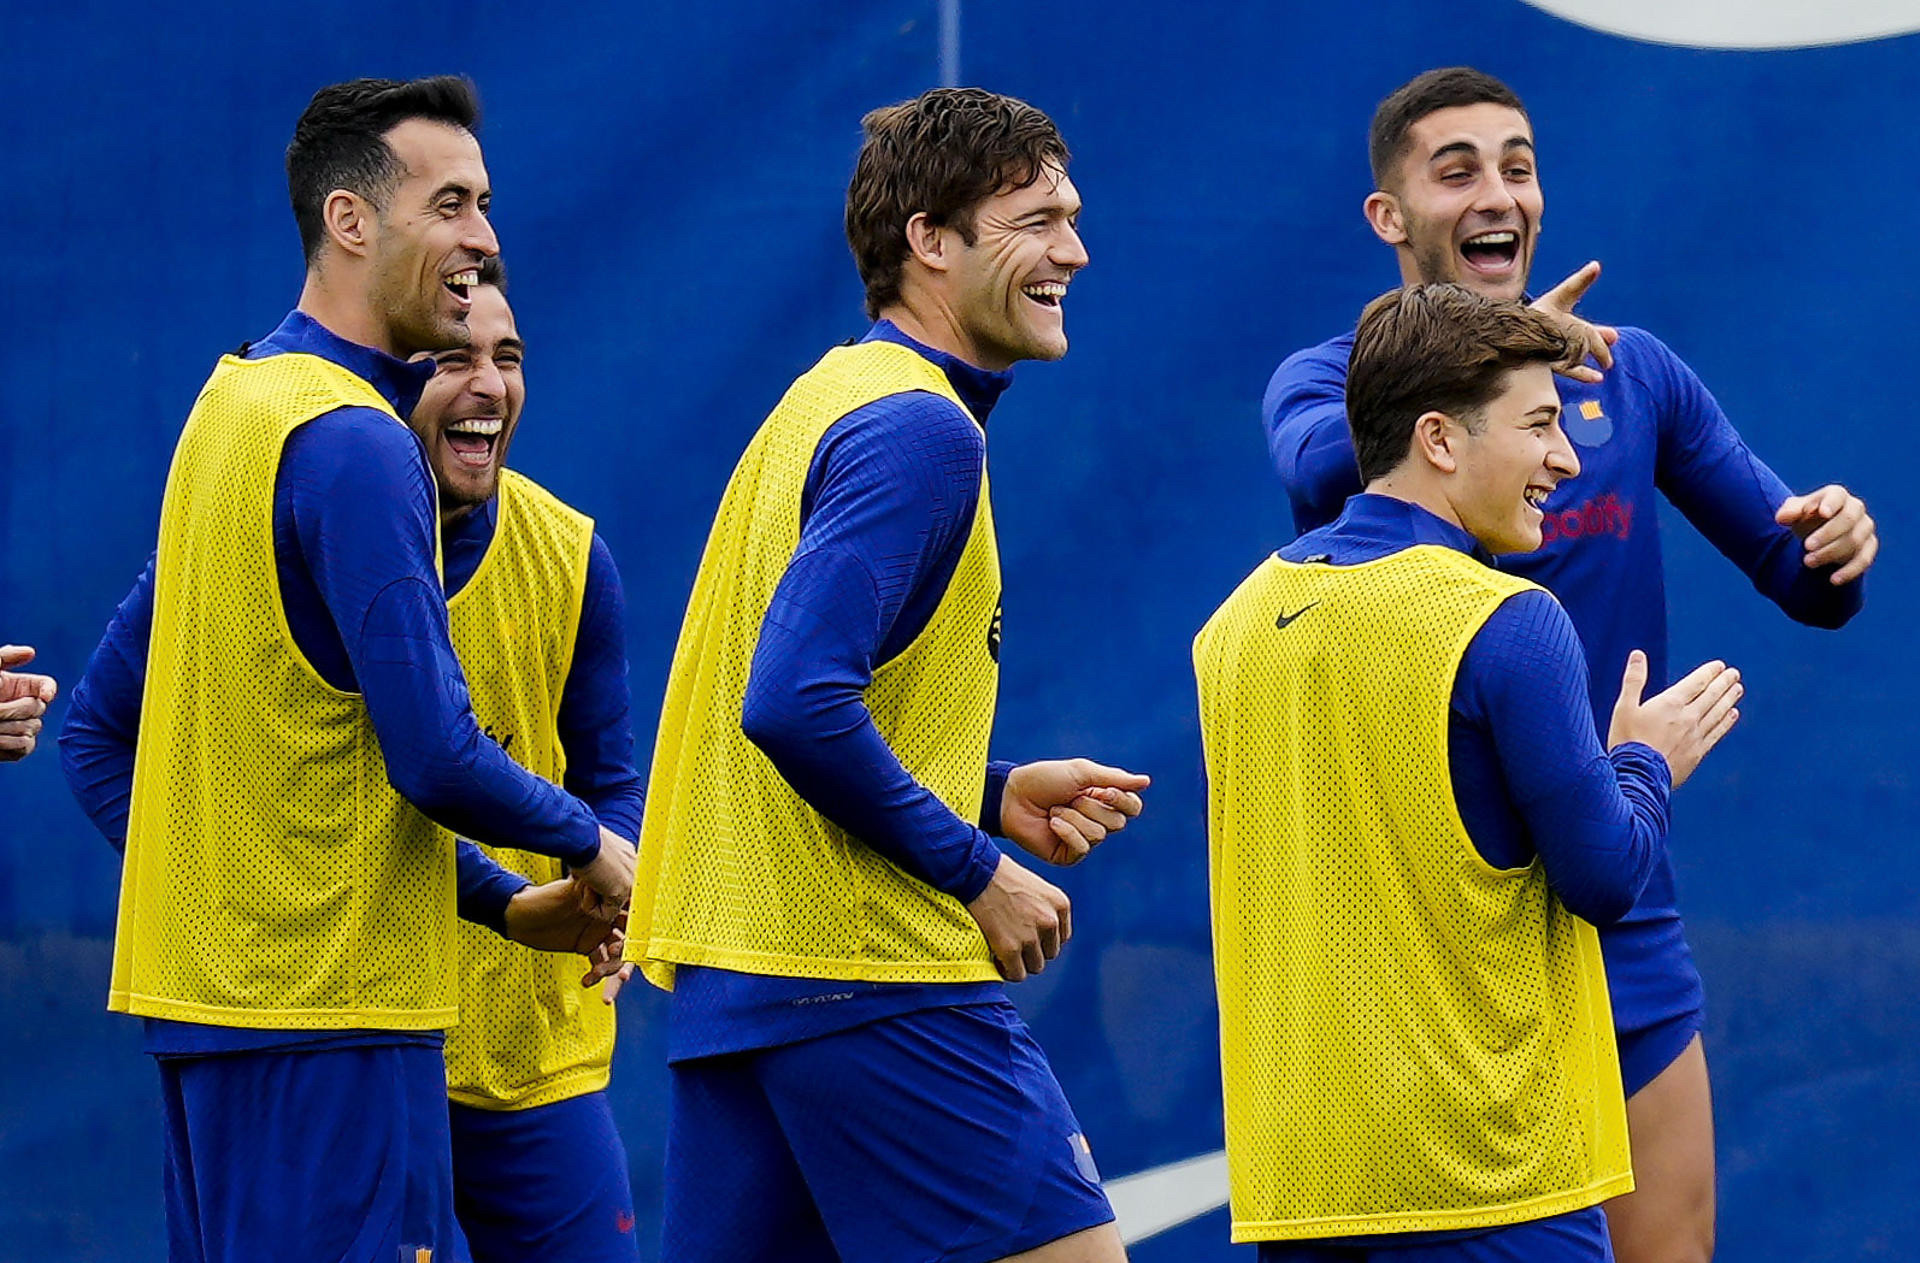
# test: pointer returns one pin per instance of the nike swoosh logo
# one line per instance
(1286, 620)
(1153, 1201)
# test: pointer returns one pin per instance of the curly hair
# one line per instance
(940, 154)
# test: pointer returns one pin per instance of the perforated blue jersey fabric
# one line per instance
(1650, 427)
(888, 504)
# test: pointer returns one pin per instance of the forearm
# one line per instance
(1597, 821)
(822, 740)
(97, 743)
(595, 719)
(1602, 841)
(485, 889)
(997, 772)
(436, 754)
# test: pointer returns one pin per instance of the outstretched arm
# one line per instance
(1305, 413)
(1804, 553)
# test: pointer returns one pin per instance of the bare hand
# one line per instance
(24, 698)
(1025, 919)
(611, 872)
(564, 916)
(20, 724)
(1834, 528)
(1593, 340)
(1060, 809)
(1683, 723)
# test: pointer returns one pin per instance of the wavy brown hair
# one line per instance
(941, 154)
(1437, 348)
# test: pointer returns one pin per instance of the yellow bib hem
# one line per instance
(559, 1087)
(329, 1019)
(669, 953)
(1433, 1221)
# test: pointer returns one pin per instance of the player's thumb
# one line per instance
(1633, 682)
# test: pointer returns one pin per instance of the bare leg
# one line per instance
(1668, 1218)
(1093, 1245)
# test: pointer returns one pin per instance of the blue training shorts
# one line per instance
(935, 1135)
(1579, 1236)
(1652, 982)
(543, 1183)
(315, 1156)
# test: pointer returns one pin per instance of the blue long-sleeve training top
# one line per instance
(595, 721)
(1649, 426)
(886, 510)
(366, 608)
(1528, 772)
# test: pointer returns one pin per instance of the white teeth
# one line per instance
(470, 277)
(1493, 239)
(1046, 289)
(486, 427)
(1536, 496)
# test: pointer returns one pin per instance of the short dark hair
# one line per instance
(494, 272)
(1437, 348)
(942, 153)
(1393, 118)
(340, 141)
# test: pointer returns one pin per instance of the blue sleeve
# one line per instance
(895, 486)
(103, 715)
(362, 504)
(1710, 474)
(596, 720)
(1597, 820)
(998, 770)
(484, 888)
(1305, 411)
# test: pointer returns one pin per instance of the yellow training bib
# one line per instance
(736, 870)
(529, 1033)
(1411, 1040)
(273, 876)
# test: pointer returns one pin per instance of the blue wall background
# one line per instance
(668, 182)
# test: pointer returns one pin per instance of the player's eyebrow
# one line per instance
(511, 344)
(464, 191)
(1470, 149)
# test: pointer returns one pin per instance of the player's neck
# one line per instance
(1411, 487)
(931, 324)
(343, 314)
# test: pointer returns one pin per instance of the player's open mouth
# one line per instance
(473, 439)
(1537, 496)
(1492, 252)
(461, 283)
(1046, 293)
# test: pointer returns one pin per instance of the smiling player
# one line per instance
(848, 1078)
(303, 728)
(1458, 197)
(536, 612)
(1414, 830)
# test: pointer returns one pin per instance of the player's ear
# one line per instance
(1435, 442)
(1382, 210)
(927, 243)
(349, 221)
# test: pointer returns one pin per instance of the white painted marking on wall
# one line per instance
(1153, 1201)
(949, 43)
(1748, 24)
